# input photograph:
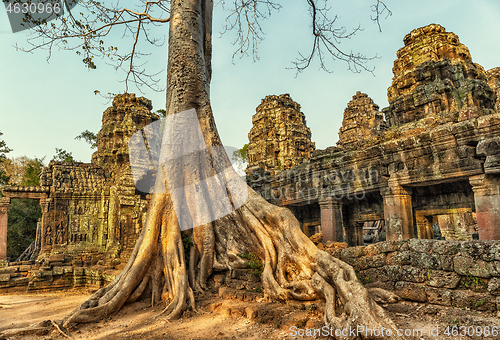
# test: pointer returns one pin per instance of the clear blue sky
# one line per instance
(45, 105)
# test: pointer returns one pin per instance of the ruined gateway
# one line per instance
(434, 158)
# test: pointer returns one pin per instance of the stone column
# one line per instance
(487, 200)
(359, 234)
(44, 204)
(398, 212)
(4, 208)
(332, 225)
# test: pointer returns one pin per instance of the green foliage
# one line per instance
(479, 303)
(32, 171)
(254, 263)
(255, 290)
(474, 281)
(63, 156)
(241, 155)
(4, 178)
(187, 242)
(89, 137)
(23, 213)
(21, 230)
(162, 113)
(301, 324)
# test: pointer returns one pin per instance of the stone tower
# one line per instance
(119, 122)
(362, 120)
(434, 77)
(493, 76)
(279, 138)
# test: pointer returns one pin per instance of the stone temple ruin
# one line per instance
(435, 159)
(431, 158)
(91, 213)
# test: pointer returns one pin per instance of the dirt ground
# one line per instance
(226, 319)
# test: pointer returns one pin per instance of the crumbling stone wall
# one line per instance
(56, 272)
(448, 273)
(279, 138)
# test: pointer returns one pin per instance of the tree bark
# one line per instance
(293, 266)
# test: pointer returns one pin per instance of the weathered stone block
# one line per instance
(25, 268)
(372, 249)
(479, 250)
(426, 260)
(399, 257)
(412, 274)
(442, 279)
(495, 251)
(494, 286)
(78, 271)
(371, 261)
(446, 247)
(392, 272)
(463, 298)
(337, 253)
(394, 245)
(4, 277)
(353, 252)
(410, 291)
(438, 296)
(465, 265)
(9, 269)
(45, 273)
(22, 280)
(56, 258)
(373, 275)
(420, 245)
(58, 270)
(387, 285)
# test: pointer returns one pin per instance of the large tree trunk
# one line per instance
(293, 267)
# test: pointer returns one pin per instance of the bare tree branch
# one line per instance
(379, 8)
(91, 25)
(327, 37)
(245, 16)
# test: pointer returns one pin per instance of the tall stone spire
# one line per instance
(362, 120)
(279, 138)
(434, 76)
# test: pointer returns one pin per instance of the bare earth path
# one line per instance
(221, 319)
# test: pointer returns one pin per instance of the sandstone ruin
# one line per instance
(362, 120)
(279, 138)
(92, 213)
(434, 159)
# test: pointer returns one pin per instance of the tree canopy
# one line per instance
(4, 178)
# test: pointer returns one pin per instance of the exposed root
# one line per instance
(59, 328)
